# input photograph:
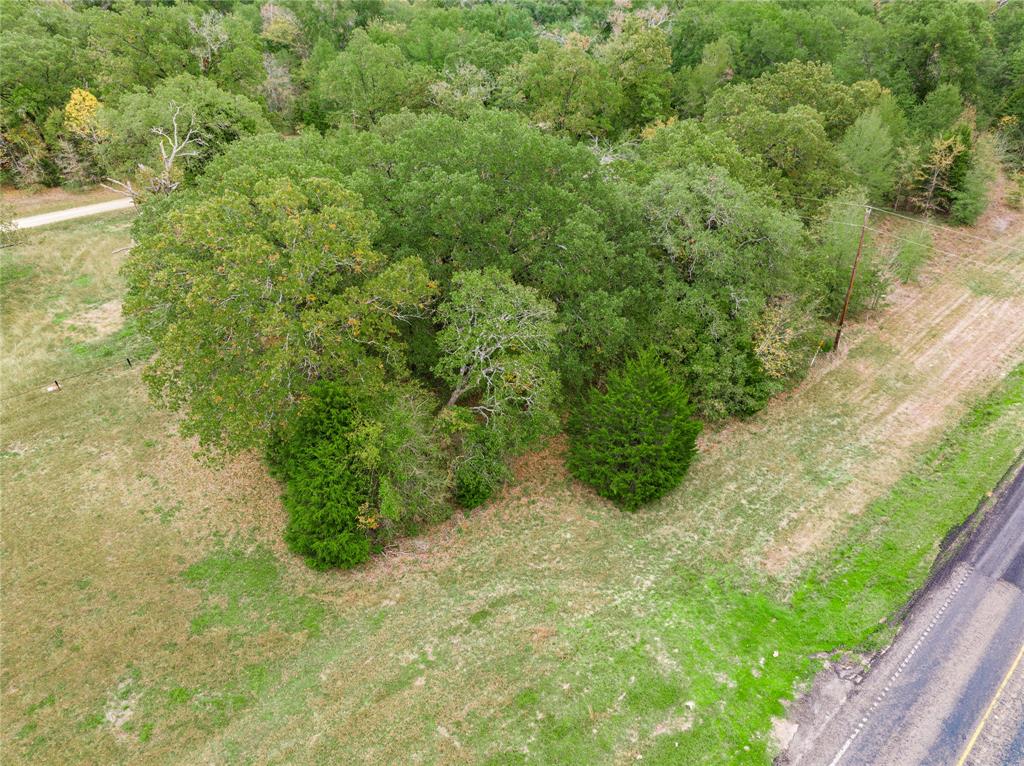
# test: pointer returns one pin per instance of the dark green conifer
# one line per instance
(634, 441)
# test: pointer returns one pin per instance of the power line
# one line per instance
(44, 400)
(950, 229)
(888, 211)
(986, 264)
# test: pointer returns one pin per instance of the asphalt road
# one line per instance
(32, 221)
(950, 690)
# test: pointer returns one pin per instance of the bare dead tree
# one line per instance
(174, 145)
(277, 87)
(211, 37)
(124, 188)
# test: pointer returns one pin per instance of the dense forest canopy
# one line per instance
(393, 243)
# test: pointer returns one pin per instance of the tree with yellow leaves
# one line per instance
(80, 114)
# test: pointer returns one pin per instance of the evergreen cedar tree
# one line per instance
(361, 466)
(325, 490)
(634, 441)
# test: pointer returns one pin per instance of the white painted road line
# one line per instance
(881, 695)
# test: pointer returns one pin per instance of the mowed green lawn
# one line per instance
(151, 614)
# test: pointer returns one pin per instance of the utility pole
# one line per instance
(853, 275)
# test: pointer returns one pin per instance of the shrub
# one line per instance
(9, 234)
(397, 446)
(481, 469)
(1015, 196)
(912, 254)
(634, 441)
(970, 198)
(361, 466)
(473, 486)
(326, 489)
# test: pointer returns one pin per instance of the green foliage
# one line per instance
(252, 295)
(235, 59)
(492, 191)
(40, 45)
(481, 467)
(327, 492)
(634, 440)
(368, 80)
(174, 106)
(912, 253)
(397, 447)
(937, 113)
(487, 191)
(695, 85)
(1015, 196)
(731, 253)
(361, 465)
(867, 148)
(934, 42)
(519, 166)
(970, 198)
(793, 144)
(563, 88)
(893, 118)
(434, 37)
(836, 237)
(639, 60)
(139, 44)
(496, 348)
(795, 84)
(681, 145)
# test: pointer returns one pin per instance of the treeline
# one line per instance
(86, 82)
(490, 222)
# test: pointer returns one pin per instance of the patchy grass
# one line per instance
(152, 615)
(985, 283)
(57, 276)
(242, 593)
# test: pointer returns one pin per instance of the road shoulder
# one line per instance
(932, 671)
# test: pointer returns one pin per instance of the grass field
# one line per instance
(151, 614)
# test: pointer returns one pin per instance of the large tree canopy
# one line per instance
(252, 295)
(451, 224)
(497, 344)
(734, 254)
(368, 80)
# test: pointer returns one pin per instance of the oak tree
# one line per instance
(252, 295)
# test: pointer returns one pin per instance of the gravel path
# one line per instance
(44, 219)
